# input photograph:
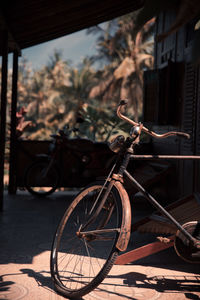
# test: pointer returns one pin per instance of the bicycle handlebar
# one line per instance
(146, 130)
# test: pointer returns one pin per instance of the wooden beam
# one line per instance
(143, 251)
(38, 22)
(4, 77)
(13, 140)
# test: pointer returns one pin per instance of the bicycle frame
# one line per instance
(161, 209)
(116, 179)
(149, 197)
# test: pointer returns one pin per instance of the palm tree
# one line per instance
(128, 53)
(81, 79)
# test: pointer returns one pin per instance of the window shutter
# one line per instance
(151, 90)
(189, 113)
(161, 95)
(189, 126)
(197, 139)
(197, 146)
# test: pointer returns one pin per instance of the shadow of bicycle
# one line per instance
(189, 285)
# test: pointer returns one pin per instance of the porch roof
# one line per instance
(36, 21)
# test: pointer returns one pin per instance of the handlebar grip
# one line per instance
(123, 102)
(183, 134)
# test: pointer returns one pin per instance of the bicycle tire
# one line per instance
(86, 263)
(36, 184)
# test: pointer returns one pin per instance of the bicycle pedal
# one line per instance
(164, 240)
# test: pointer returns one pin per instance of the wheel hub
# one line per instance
(182, 245)
(86, 236)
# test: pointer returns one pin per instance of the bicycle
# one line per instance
(97, 224)
(83, 159)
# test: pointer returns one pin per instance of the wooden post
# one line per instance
(4, 75)
(13, 147)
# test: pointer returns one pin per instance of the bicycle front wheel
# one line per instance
(81, 259)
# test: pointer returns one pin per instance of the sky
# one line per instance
(73, 47)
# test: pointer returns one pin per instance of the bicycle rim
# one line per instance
(80, 262)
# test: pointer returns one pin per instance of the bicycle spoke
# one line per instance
(99, 231)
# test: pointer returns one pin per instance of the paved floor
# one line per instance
(27, 226)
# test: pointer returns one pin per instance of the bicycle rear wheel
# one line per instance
(80, 260)
(40, 180)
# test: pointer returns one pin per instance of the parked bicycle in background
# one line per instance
(70, 162)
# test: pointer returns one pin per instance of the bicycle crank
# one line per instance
(183, 246)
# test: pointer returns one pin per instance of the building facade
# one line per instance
(172, 100)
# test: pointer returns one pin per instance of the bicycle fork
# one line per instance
(125, 229)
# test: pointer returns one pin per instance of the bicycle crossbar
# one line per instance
(135, 156)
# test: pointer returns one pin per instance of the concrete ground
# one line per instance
(27, 227)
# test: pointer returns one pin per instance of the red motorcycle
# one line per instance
(71, 162)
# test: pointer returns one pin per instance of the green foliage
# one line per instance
(100, 122)
(128, 53)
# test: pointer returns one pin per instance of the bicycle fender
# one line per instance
(125, 232)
